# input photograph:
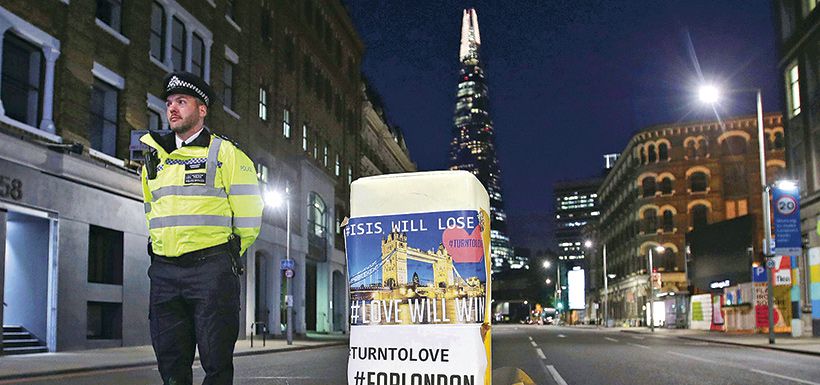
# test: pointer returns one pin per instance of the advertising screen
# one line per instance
(575, 279)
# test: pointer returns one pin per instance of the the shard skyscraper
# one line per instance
(473, 145)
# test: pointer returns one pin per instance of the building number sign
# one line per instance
(11, 188)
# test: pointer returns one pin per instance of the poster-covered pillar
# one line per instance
(418, 248)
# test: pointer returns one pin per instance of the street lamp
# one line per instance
(275, 199)
(659, 249)
(710, 94)
(588, 244)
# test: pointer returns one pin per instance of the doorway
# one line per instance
(310, 296)
(339, 301)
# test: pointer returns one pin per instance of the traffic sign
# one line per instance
(289, 273)
(287, 264)
(770, 263)
(786, 200)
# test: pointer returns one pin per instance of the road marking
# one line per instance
(561, 336)
(610, 339)
(533, 344)
(638, 337)
(529, 338)
(640, 346)
(784, 377)
(541, 353)
(696, 358)
(71, 375)
(555, 376)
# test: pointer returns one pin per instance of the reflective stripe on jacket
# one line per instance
(200, 196)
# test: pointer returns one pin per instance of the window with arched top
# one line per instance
(779, 142)
(668, 221)
(643, 155)
(663, 151)
(650, 221)
(653, 156)
(702, 148)
(733, 145)
(690, 149)
(648, 186)
(666, 186)
(698, 181)
(700, 216)
(317, 216)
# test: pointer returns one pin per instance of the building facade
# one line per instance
(383, 148)
(799, 56)
(81, 80)
(669, 180)
(576, 211)
(472, 147)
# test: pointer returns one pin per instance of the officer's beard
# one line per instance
(186, 125)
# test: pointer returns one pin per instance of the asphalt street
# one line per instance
(549, 354)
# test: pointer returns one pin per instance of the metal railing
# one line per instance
(264, 328)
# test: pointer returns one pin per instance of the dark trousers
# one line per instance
(194, 305)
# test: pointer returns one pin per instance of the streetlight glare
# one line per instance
(708, 94)
(788, 185)
(548, 281)
(546, 264)
(588, 243)
(273, 198)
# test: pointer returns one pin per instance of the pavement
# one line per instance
(48, 364)
(785, 342)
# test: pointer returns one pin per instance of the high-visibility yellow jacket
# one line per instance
(202, 193)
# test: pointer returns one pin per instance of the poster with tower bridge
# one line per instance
(425, 268)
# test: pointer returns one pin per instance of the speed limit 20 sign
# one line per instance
(786, 201)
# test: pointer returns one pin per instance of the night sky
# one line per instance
(569, 80)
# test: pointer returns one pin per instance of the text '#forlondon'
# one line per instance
(386, 378)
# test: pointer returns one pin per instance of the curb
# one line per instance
(153, 362)
(768, 347)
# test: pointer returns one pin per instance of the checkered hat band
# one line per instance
(178, 83)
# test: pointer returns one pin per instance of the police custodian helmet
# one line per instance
(188, 84)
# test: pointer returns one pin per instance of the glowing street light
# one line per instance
(547, 264)
(548, 281)
(709, 94)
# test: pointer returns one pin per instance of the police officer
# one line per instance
(204, 209)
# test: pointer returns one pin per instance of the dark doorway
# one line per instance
(310, 296)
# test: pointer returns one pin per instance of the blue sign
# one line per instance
(786, 201)
(287, 264)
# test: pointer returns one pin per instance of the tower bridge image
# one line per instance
(396, 252)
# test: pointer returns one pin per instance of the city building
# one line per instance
(383, 148)
(472, 147)
(799, 38)
(669, 180)
(576, 211)
(82, 80)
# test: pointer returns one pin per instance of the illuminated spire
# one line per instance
(470, 37)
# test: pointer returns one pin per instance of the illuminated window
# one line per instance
(286, 123)
(793, 91)
(304, 137)
(263, 104)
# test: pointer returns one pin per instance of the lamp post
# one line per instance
(275, 199)
(588, 244)
(660, 249)
(711, 94)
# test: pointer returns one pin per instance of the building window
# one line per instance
(690, 150)
(286, 123)
(110, 13)
(105, 252)
(793, 91)
(703, 148)
(324, 155)
(733, 145)
(102, 129)
(779, 142)
(154, 121)
(316, 147)
(668, 221)
(177, 45)
(317, 211)
(198, 56)
(338, 165)
(698, 182)
(22, 71)
(663, 151)
(666, 186)
(349, 174)
(263, 104)
(104, 321)
(650, 221)
(230, 9)
(304, 137)
(227, 90)
(700, 216)
(157, 32)
(653, 156)
(648, 187)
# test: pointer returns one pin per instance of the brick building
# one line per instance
(669, 180)
(81, 79)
